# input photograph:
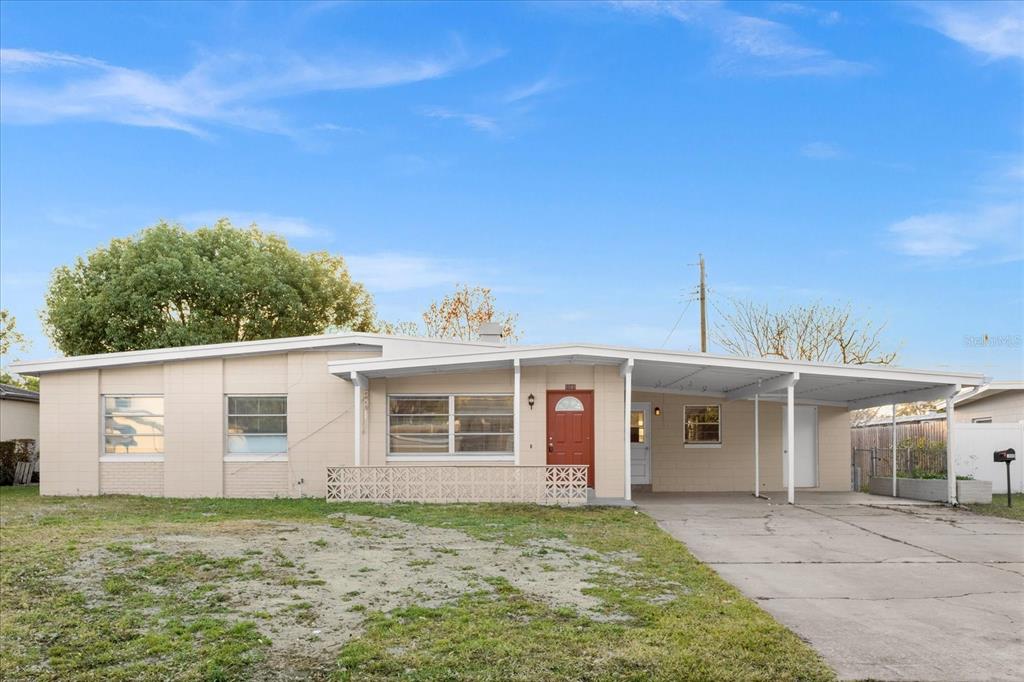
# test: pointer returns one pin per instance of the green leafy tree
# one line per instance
(11, 338)
(168, 286)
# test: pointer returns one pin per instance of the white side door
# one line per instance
(806, 438)
(640, 443)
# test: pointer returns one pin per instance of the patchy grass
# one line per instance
(999, 508)
(156, 615)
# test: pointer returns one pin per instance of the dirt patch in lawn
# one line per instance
(308, 587)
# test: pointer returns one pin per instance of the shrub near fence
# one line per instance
(12, 452)
(924, 459)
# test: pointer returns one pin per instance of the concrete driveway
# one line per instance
(883, 591)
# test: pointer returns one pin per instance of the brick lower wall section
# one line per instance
(132, 478)
(256, 479)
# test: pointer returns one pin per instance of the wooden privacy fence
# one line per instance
(880, 435)
(545, 484)
(869, 462)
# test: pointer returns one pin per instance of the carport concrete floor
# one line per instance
(882, 590)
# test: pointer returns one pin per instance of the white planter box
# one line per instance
(933, 489)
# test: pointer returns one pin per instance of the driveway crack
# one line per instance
(881, 535)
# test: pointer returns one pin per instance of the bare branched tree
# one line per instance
(815, 332)
(457, 316)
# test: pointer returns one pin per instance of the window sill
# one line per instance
(450, 458)
(107, 459)
(256, 458)
(702, 446)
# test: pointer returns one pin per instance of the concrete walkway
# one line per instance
(883, 591)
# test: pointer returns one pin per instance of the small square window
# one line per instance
(702, 424)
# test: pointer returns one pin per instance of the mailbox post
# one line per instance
(1007, 456)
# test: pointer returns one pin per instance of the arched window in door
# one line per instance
(569, 404)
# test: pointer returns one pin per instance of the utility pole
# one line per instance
(703, 310)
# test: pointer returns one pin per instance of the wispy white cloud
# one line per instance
(822, 16)
(486, 124)
(821, 151)
(994, 29)
(403, 272)
(220, 89)
(989, 233)
(286, 226)
(531, 90)
(749, 44)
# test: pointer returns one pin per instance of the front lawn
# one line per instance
(999, 508)
(126, 588)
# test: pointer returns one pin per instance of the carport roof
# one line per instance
(727, 377)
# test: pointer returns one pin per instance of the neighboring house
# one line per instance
(19, 413)
(997, 402)
(465, 420)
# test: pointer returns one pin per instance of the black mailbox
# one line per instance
(1007, 455)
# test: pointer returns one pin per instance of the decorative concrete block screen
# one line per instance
(555, 484)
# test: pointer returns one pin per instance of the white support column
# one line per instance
(893, 450)
(358, 384)
(627, 373)
(757, 444)
(791, 443)
(950, 458)
(516, 409)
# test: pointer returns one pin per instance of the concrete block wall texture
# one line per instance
(730, 467)
(132, 478)
(259, 479)
(19, 419)
(194, 392)
(69, 433)
(1006, 407)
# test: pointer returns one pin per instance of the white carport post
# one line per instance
(893, 450)
(516, 411)
(627, 455)
(791, 456)
(757, 444)
(358, 384)
(950, 458)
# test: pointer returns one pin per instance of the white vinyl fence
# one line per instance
(973, 445)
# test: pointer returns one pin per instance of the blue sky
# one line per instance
(574, 157)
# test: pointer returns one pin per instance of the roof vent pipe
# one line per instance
(491, 332)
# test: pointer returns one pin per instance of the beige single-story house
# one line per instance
(996, 402)
(367, 416)
(19, 413)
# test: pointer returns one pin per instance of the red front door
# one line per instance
(571, 429)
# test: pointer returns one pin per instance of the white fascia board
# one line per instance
(358, 341)
(987, 391)
(911, 396)
(591, 354)
(497, 359)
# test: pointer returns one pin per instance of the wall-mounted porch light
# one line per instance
(657, 411)
(530, 400)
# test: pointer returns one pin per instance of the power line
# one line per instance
(678, 320)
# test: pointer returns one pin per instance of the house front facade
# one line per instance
(384, 417)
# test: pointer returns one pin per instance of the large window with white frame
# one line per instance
(450, 425)
(133, 425)
(257, 425)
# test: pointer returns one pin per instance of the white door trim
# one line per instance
(799, 454)
(645, 449)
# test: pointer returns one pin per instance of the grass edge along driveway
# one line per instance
(681, 620)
